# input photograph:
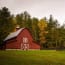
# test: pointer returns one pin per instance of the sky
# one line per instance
(37, 8)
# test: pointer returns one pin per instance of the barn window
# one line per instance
(25, 40)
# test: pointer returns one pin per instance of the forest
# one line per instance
(46, 32)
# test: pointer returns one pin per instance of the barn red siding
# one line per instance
(34, 46)
(12, 44)
(16, 42)
(26, 33)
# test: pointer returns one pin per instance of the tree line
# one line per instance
(46, 32)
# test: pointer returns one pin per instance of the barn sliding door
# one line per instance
(25, 44)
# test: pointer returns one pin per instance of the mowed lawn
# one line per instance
(38, 57)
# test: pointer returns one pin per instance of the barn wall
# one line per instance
(12, 44)
(35, 46)
(26, 33)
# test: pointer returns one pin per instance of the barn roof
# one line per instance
(14, 34)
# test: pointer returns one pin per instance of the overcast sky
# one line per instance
(37, 8)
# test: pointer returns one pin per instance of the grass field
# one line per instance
(43, 57)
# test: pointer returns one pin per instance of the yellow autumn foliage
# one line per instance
(42, 24)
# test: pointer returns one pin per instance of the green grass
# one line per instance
(38, 57)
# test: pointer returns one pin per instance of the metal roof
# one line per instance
(14, 34)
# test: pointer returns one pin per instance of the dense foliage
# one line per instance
(47, 32)
(6, 23)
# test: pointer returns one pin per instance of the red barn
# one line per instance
(21, 39)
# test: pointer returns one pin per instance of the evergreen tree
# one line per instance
(6, 23)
